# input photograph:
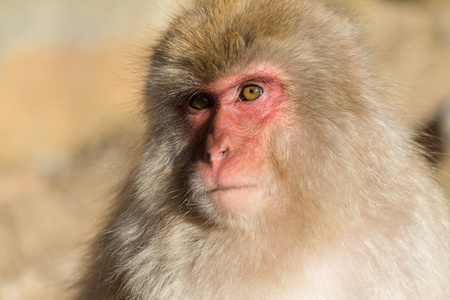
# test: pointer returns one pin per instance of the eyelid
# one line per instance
(259, 81)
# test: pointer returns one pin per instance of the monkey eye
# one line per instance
(250, 93)
(200, 101)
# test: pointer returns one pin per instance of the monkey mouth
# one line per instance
(229, 188)
(234, 199)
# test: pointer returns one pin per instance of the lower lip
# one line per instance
(235, 199)
(231, 188)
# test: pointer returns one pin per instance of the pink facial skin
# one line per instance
(236, 137)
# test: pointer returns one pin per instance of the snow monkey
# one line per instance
(272, 169)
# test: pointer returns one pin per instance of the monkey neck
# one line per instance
(266, 253)
(264, 240)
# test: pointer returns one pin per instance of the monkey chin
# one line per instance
(236, 200)
(233, 201)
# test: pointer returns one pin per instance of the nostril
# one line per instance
(216, 155)
(223, 152)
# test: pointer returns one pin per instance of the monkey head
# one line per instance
(251, 98)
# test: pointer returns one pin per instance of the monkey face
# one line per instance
(234, 118)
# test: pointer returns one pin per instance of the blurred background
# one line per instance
(71, 74)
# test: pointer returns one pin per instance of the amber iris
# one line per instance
(200, 101)
(251, 92)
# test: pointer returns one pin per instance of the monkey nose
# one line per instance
(217, 147)
(215, 155)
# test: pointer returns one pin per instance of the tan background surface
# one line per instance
(70, 79)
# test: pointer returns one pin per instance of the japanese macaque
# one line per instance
(272, 170)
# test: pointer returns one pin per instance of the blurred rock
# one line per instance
(71, 73)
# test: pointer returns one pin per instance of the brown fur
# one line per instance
(354, 212)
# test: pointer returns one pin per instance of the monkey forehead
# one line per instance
(214, 38)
